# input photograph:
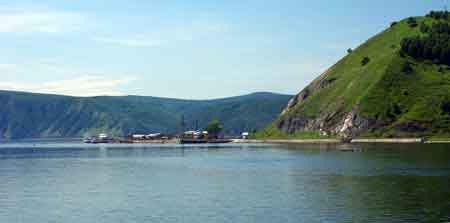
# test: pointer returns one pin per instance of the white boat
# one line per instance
(102, 138)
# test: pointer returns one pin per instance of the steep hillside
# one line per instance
(27, 115)
(379, 89)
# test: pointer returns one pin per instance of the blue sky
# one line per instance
(184, 49)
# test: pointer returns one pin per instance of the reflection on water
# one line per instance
(70, 182)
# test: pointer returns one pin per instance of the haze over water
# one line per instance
(61, 182)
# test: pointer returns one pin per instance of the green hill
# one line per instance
(28, 115)
(397, 84)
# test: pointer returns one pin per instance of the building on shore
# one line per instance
(151, 136)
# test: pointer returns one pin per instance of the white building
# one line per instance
(138, 136)
(103, 136)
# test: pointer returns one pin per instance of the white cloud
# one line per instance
(8, 68)
(87, 85)
(130, 42)
(169, 34)
(39, 22)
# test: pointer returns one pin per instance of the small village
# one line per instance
(213, 134)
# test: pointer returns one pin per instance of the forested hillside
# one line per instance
(27, 115)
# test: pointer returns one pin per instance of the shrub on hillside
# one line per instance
(424, 28)
(365, 61)
(445, 106)
(412, 22)
(407, 68)
(393, 111)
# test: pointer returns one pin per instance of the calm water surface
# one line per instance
(44, 182)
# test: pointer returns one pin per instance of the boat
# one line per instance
(88, 140)
(102, 138)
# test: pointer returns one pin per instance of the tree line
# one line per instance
(439, 15)
(434, 45)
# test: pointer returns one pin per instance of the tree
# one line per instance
(436, 51)
(433, 44)
(214, 127)
(438, 14)
(407, 68)
(424, 28)
(445, 106)
(350, 50)
(405, 92)
(396, 109)
(365, 61)
(427, 50)
(412, 22)
(445, 54)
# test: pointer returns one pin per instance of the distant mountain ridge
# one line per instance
(31, 115)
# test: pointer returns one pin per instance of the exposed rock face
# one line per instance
(352, 125)
(337, 123)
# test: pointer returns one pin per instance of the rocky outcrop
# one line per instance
(353, 125)
(327, 123)
(296, 100)
(338, 123)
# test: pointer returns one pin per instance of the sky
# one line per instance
(183, 49)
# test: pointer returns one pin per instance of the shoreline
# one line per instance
(337, 141)
(288, 141)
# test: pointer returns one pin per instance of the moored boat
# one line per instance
(102, 138)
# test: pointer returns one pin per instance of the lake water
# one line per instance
(45, 182)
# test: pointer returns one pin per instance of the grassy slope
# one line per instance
(354, 81)
(374, 88)
(419, 95)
